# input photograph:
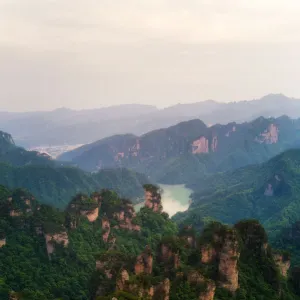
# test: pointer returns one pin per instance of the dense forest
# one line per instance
(268, 192)
(100, 248)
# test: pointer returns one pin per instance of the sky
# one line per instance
(95, 53)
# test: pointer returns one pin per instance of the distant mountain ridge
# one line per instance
(66, 126)
(189, 150)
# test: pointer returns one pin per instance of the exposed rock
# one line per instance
(282, 263)
(92, 215)
(214, 144)
(59, 238)
(228, 261)
(269, 190)
(119, 156)
(208, 254)
(169, 257)
(144, 262)
(122, 281)
(15, 213)
(269, 136)
(209, 293)
(2, 242)
(162, 291)
(153, 200)
(200, 145)
(106, 229)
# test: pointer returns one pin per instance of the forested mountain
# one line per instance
(269, 192)
(56, 185)
(17, 156)
(99, 248)
(66, 126)
(185, 152)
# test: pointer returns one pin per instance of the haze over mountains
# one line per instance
(66, 126)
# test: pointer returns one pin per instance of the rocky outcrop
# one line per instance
(144, 262)
(106, 229)
(209, 293)
(2, 242)
(208, 254)
(282, 263)
(92, 215)
(122, 281)
(168, 257)
(15, 213)
(269, 136)
(269, 190)
(56, 238)
(200, 145)
(153, 198)
(162, 291)
(196, 278)
(119, 156)
(228, 264)
(214, 144)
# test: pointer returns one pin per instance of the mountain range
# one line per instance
(66, 126)
(189, 150)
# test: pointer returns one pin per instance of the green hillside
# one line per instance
(99, 248)
(269, 192)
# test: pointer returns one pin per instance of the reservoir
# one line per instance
(175, 198)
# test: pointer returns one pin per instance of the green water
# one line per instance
(174, 198)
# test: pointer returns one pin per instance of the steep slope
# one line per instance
(99, 248)
(188, 150)
(11, 154)
(268, 192)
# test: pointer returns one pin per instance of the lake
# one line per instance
(175, 198)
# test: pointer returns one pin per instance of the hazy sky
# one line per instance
(93, 53)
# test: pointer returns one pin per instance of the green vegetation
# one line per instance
(29, 273)
(268, 192)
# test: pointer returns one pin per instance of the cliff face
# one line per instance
(228, 265)
(106, 229)
(144, 262)
(208, 254)
(270, 135)
(153, 198)
(169, 257)
(52, 239)
(2, 242)
(282, 263)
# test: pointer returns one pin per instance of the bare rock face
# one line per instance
(208, 254)
(59, 238)
(153, 200)
(269, 190)
(91, 215)
(200, 145)
(228, 264)
(269, 136)
(119, 156)
(106, 229)
(194, 277)
(144, 262)
(2, 242)
(169, 257)
(282, 263)
(214, 144)
(135, 149)
(209, 293)
(15, 213)
(122, 281)
(162, 291)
